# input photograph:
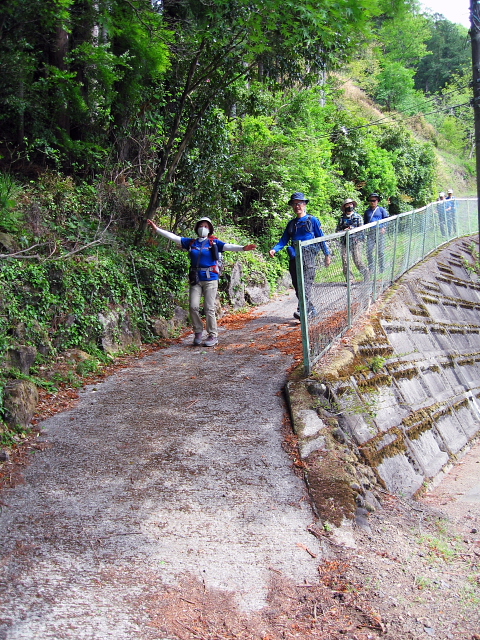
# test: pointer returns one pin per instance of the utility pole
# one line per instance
(475, 37)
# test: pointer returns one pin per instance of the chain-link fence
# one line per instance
(365, 261)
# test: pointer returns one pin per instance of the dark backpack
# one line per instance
(312, 249)
(216, 254)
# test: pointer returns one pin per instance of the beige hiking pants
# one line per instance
(207, 289)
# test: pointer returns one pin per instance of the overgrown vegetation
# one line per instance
(115, 112)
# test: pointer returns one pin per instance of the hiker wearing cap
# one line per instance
(203, 275)
(375, 213)
(351, 219)
(451, 213)
(303, 227)
(442, 213)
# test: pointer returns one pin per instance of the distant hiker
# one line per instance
(442, 213)
(351, 219)
(203, 276)
(373, 214)
(303, 227)
(451, 213)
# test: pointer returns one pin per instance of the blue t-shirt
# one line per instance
(450, 205)
(372, 215)
(201, 256)
(300, 229)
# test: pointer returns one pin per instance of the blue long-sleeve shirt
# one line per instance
(300, 229)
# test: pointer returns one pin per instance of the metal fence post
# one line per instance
(302, 303)
(349, 291)
(410, 242)
(375, 262)
(394, 248)
(425, 226)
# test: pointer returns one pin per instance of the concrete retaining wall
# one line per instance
(405, 388)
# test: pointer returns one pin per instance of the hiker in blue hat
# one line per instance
(204, 252)
(303, 227)
(375, 213)
(351, 219)
(451, 213)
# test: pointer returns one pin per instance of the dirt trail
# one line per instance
(165, 506)
(172, 469)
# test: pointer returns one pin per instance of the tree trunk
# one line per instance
(59, 52)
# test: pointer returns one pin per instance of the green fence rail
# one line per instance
(366, 261)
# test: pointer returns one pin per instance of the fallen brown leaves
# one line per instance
(238, 320)
(307, 612)
(283, 337)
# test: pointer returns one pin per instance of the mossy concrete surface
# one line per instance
(398, 402)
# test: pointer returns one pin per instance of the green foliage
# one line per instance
(395, 85)
(11, 435)
(453, 116)
(378, 172)
(386, 159)
(449, 55)
(70, 72)
(453, 134)
(376, 363)
(281, 44)
(88, 367)
(415, 166)
(11, 217)
(205, 176)
(279, 155)
(441, 548)
(58, 303)
(404, 37)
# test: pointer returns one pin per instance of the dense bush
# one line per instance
(58, 302)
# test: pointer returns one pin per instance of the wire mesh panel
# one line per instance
(431, 236)
(417, 239)
(343, 273)
(466, 216)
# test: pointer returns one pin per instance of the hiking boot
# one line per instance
(197, 340)
(312, 312)
(296, 314)
(211, 340)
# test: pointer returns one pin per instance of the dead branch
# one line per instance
(18, 254)
(75, 251)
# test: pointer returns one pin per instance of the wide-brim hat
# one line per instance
(298, 195)
(210, 224)
(375, 195)
(450, 191)
(441, 194)
(349, 201)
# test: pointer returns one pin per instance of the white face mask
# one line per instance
(202, 232)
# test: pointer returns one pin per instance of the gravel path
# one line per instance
(168, 472)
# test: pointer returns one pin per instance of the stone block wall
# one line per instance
(405, 388)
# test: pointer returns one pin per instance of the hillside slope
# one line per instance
(452, 171)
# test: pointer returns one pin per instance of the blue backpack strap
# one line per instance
(310, 224)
